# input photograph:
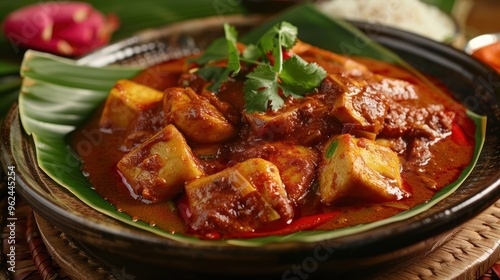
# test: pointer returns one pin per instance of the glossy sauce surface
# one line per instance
(444, 160)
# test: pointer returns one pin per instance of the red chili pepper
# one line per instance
(193, 65)
(284, 53)
(304, 223)
(458, 135)
(287, 54)
(183, 206)
(270, 57)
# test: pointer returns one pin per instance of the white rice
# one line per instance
(410, 15)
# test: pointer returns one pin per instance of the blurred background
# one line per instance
(474, 17)
(483, 17)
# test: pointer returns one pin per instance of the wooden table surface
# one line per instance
(484, 17)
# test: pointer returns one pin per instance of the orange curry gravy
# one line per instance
(432, 151)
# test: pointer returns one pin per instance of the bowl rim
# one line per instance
(481, 41)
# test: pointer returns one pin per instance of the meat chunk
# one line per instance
(431, 122)
(226, 109)
(394, 89)
(358, 98)
(127, 100)
(157, 169)
(296, 164)
(241, 198)
(358, 104)
(331, 62)
(196, 117)
(303, 119)
(360, 169)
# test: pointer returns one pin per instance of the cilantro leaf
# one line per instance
(299, 77)
(283, 35)
(271, 77)
(233, 63)
(216, 51)
(288, 35)
(217, 74)
(260, 88)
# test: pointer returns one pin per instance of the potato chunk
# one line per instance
(359, 169)
(296, 164)
(157, 169)
(126, 101)
(196, 117)
(241, 198)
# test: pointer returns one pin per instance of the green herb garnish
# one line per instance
(233, 63)
(275, 73)
(332, 148)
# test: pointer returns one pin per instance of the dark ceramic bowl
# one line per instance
(470, 82)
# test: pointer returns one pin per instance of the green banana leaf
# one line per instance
(445, 5)
(58, 95)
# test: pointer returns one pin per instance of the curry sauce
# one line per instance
(362, 104)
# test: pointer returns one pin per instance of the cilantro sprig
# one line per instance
(273, 76)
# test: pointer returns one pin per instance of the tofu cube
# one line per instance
(241, 198)
(126, 101)
(297, 165)
(196, 117)
(359, 169)
(157, 169)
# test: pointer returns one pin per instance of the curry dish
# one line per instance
(372, 140)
